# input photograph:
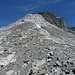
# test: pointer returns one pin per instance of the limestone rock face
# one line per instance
(34, 46)
(53, 19)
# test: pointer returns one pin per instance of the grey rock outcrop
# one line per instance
(34, 46)
(53, 19)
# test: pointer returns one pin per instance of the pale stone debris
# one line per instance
(9, 59)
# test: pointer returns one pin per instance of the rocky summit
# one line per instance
(37, 44)
(53, 19)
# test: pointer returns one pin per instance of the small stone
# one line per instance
(51, 53)
(49, 60)
(58, 63)
(31, 72)
(67, 71)
(70, 60)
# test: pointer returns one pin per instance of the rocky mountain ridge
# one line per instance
(34, 46)
(57, 21)
(53, 19)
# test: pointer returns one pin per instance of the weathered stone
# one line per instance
(51, 53)
(67, 71)
(49, 60)
(58, 63)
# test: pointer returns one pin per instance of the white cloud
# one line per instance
(36, 4)
(56, 1)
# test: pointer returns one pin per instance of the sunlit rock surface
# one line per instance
(34, 46)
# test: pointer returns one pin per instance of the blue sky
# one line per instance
(12, 10)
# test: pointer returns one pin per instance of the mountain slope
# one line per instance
(34, 46)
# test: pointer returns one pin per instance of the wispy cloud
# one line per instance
(36, 4)
(56, 1)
